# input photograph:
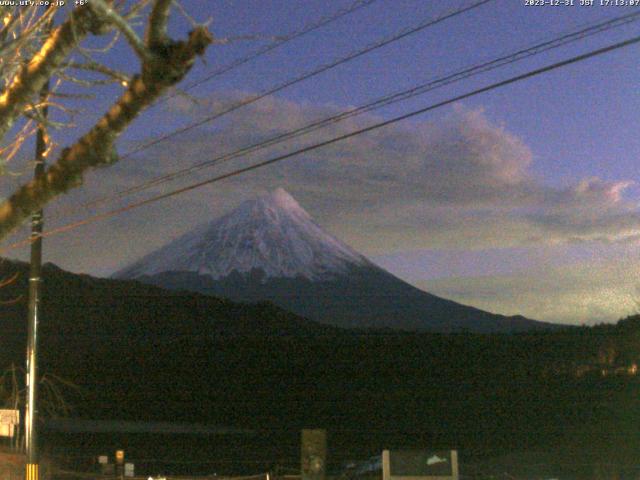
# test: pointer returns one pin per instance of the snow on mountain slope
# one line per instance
(269, 249)
(272, 233)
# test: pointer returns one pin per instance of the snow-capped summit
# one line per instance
(272, 234)
(280, 198)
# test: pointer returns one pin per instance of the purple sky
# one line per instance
(521, 200)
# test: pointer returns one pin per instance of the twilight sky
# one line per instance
(521, 200)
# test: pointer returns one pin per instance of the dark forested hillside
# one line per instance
(142, 353)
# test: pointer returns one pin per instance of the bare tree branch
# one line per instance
(92, 66)
(157, 26)
(106, 13)
(170, 62)
(34, 74)
(25, 34)
(83, 82)
(135, 9)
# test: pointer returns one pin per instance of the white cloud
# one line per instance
(456, 181)
(590, 209)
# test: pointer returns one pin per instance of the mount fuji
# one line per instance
(270, 249)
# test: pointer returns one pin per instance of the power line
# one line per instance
(403, 33)
(381, 102)
(370, 128)
(292, 36)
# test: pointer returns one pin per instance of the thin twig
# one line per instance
(111, 16)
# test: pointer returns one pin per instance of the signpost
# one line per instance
(9, 420)
(313, 454)
(420, 465)
(120, 464)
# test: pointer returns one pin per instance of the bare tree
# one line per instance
(53, 403)
(31, 56)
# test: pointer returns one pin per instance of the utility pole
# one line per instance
(313, 454)
(35, 280)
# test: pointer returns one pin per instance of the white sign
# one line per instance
(8, 421)
(420, 465)
(435, 459)
(128, 469)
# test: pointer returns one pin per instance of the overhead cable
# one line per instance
(386, 100)
(279, 158)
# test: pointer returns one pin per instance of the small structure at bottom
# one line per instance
(406, 465)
